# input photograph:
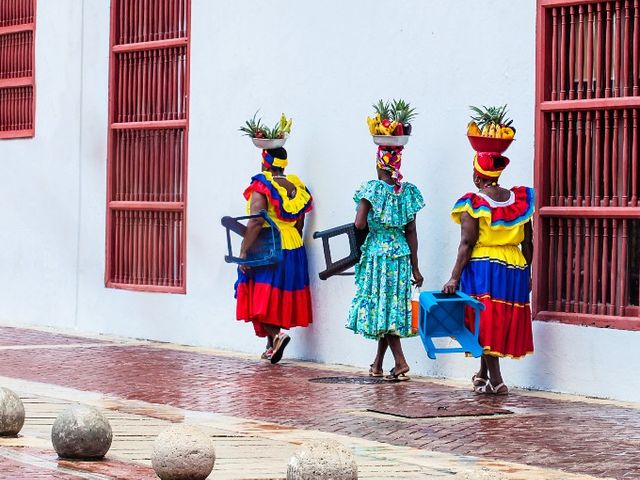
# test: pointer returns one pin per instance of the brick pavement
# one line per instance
(581, 437)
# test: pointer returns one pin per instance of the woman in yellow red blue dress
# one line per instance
(276, 297)
(493, 265)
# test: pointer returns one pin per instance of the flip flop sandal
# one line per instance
(373, 373)
(478, 381)
(397, 377)
(489, 389)
(485, 389)
(278, 351)
(500, 389)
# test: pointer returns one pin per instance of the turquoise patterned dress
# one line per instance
(383, 277)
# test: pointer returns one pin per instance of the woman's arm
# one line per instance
(300, 224)
(470, 228)
(411, 232)
(527, 243)
(254, 226)
(527, 248)
(361, 214)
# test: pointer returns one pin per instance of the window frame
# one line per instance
(545, 106)
(113, 205)
(26, 81)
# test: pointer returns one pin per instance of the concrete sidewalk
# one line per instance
(258, 414)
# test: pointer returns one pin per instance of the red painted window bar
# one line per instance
(17, 83)
(587, 167)
(147, 149)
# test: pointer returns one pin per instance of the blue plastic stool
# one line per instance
(442, 315)
(267, 249)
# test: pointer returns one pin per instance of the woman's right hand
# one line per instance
(243, 268)
(450, 287)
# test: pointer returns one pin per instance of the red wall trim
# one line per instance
(590, 212)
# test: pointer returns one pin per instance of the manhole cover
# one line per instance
(350, 380)
(460, 409)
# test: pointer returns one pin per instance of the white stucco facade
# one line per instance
(324, 64)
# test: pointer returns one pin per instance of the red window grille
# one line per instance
(17, 81)
(147, 146)
(587, 169)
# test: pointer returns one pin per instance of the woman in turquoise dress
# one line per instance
(381, 308)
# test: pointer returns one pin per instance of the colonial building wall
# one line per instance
(324, 64)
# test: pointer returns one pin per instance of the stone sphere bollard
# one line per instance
(11, 413)
(81, 432)
(183, 452)
(322, 460)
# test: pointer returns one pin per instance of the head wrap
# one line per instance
(489, 165)
(275, 157)
(389, 159)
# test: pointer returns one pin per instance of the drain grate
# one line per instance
(350, 380)
(458, 409)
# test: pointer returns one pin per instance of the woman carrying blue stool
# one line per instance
(493, 266)
(277, 296)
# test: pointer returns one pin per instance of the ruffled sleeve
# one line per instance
(287, 209)
(516, 212)
(390, 208)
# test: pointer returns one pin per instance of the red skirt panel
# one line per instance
(505, 329)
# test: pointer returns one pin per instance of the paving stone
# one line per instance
(584, 437)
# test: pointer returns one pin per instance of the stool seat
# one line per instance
(442, 315)
(266, 250)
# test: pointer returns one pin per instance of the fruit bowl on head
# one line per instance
(489, 144)
(269, 143)
(390, 140)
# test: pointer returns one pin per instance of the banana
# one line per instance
(287, 128)
(372, 125)
(283, 122)
(485, 131)
(473, 130)
(492, 130)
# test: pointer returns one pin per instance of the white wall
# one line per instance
(324, 66)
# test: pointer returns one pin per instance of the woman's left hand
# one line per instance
(450, 287)
(417, 277)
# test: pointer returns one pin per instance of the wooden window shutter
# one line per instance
(17, 80)
(587, 167)
(147, 145)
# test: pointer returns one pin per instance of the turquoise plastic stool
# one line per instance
(442, 315)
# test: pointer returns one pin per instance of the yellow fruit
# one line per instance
(485, 131)
(473, 130)
(507, 132)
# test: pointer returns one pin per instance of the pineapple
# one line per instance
(492, 121)
(403, 113)
(254, 128)
(383, 109)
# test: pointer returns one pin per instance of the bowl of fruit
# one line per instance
(490, 130)
(391, 123)
(265, 137)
